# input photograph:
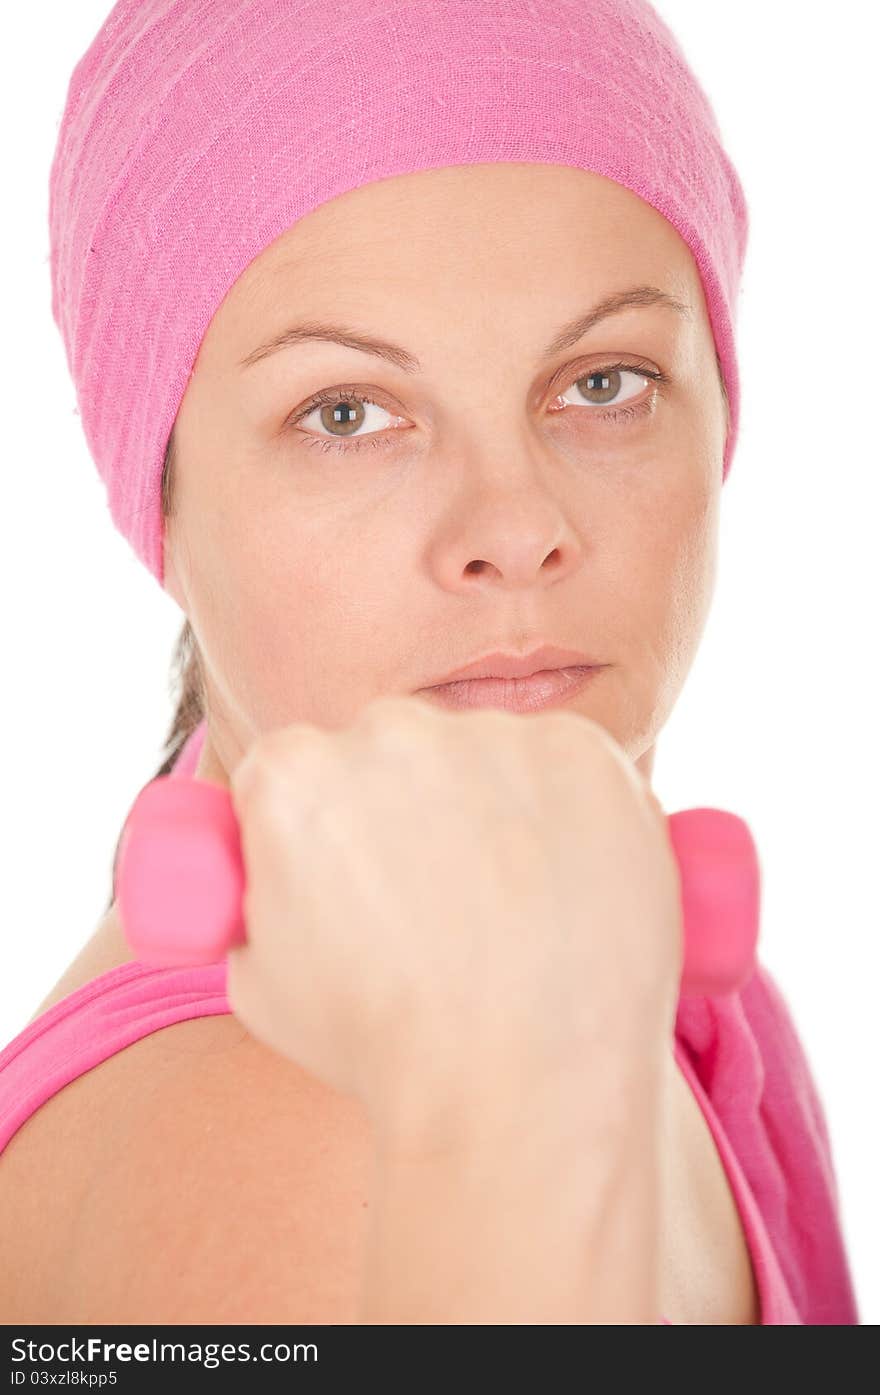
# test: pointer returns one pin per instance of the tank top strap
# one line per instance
(101, 1017)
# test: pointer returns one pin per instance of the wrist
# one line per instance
(544, 1213)
(580, 1097)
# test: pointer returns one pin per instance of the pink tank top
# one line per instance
(741, 1055)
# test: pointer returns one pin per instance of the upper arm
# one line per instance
(226, 1186)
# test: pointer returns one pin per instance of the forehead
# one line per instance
(427, 218)
(534, 233)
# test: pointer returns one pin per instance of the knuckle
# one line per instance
(392, 721)
(606, 753)
(246, 776)
(573, 735)
(266, 763)
(390, 707)
(591, 753)
(566, 726)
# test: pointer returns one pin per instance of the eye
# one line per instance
(601, 388)
(343, 411)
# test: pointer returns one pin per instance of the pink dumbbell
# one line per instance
(180, 880)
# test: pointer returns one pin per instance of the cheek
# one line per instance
(679, 591)
(664, 551)
(300, 618)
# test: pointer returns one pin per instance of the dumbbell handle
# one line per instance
(180, 881)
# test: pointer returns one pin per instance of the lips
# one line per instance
(547, 688)
(501, 665)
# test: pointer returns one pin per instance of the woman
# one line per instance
(397, 344)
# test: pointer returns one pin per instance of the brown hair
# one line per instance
(186, 672)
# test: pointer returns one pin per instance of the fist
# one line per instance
(436, 901)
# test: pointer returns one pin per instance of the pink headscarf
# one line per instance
(197, 131)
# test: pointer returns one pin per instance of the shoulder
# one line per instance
(195, 1176)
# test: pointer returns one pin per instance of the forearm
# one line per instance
(551, 1214)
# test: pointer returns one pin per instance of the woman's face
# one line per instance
(476, 494)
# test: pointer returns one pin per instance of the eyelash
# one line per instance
(376, 439)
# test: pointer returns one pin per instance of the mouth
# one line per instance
(532, 693)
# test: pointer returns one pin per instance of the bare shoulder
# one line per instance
(195, 1176)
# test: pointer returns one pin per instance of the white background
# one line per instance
(778, 720)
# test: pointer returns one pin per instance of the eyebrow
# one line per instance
(638, 297)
